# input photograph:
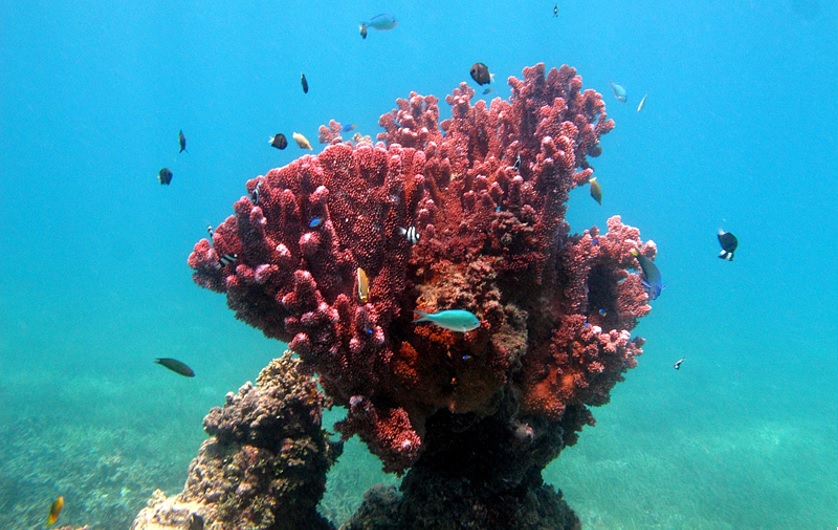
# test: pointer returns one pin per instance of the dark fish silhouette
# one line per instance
(279, 141)
(363, 30)
(304, 83)
(651, 275)
(164, 176)
(556, 10)
(677, 364)
(480, 73)
(176, 366)
(729, 243)
(181, 138)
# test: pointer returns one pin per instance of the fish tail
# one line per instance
(725, 255)
(423, 317)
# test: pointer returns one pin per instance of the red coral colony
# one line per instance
(465, 214)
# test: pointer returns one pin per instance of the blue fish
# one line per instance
(452, 319)
(651, 275)
(315, 222)
(619, 92)
(348, 128)
(382, 22)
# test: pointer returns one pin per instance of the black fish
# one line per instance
(729, 243)
(556, 10)
(279, 141)
(176, 366)
(164, 176)
(182, 140)
(677, 364)
(304, 83)
(363, 30)
(480, 73)
(254, 195)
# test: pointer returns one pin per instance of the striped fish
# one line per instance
(410, 234)
(227, 259)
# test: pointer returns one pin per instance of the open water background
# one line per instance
(738, 132)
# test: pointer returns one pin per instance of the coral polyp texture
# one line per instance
(486, 192)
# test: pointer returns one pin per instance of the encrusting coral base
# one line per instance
(265, 465)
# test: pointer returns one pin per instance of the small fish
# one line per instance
(451, 319)
(410, 233)
(302, 141)
(363, 285)
(279, 141)
(181, 138)
(556, 10)
(517, 166)
(304, 82)
(480, 73)
(348, 128)
(677, 364)
(596, 190)
(488, 91)
(651, 275)
(315, 222)
(227, 259)
(164, 176)
(363, 30)
(175, 366)
(729, 243)
(55, 511)
(642, 103)
(619, 92)
(382, 22)
(603, 312)
(254, 195)
(209, 231)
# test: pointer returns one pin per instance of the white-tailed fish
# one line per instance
(451, 319)
(729, 243)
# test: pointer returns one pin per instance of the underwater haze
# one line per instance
(737, 133)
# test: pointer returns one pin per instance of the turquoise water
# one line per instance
(738, 132)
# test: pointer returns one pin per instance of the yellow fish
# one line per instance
(596, 190)
(55, 511)
(363, 286)
(302, 141)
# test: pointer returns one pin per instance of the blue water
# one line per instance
(738, 132)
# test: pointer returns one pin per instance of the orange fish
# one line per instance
(363, 286)
(55, 511)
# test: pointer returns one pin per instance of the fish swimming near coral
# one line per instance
(729, 244)
(619, 92)
(348, 128)
(302, 141)
(488, 91)
(181, 138)
(304, 82)
(596, 190)
(363, 285)
(315, 222)
(164, 176)
(480, 73)
(227, 259)
(279, 141)
(451, 319)
(175, 366)
(55, 511)
(410, 234)
(651, 275)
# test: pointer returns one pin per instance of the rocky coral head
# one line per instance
(483, 194)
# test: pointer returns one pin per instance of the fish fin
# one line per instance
(423, 317)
